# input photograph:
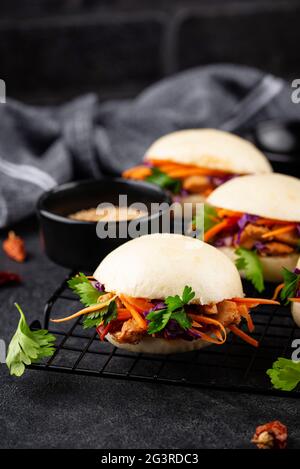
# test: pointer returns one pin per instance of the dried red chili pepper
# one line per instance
(14, 247)
(272, 435)
(9, 277)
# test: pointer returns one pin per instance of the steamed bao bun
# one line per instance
(275, 196)
(160, 265)
(209, 148)
(296, 306)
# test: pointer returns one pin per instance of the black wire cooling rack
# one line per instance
(234, 366)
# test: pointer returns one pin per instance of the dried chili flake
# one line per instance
(272, 435)
(14, 247)
(9, 277)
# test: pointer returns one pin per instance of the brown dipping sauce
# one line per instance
(108, 214)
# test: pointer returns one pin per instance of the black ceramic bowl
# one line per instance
(75, 244)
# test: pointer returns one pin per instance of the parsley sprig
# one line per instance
(285, 374)
(174, 310)
(81, 285)
(28, 346)
(291, 282)
(206, 219)
(210, 217)
(89, 295)
(162, 179)
(105, 315)
(249, 262)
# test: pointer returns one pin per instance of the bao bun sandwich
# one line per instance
(295, 296)
(165, 293)
(192, 163)
(290, 290)
(255, 220)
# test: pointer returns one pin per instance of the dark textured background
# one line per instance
(51, 50)
(44, 410)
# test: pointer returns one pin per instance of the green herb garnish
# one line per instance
(105, 315)
(28, 346)
(285, 374)
(164, 181)
(174, 310)
(206, 219)
(291, 281)
(249, 262)
(210, 217)
(81, 285)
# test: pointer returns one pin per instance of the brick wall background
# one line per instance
(51, 50)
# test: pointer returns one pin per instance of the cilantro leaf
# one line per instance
(182, 318)
(175, 310)
(210, 217)
(81, 285)
(159, 319)
(175, 302)
(163, 180)
(249, 262)
(187, 295)
(27, 346)
(105, 315)
(205, 220)
(285, 374)
(291, 281)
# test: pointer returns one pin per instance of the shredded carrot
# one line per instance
(219, 227)
(137, 172)
(218, 334)
(104, 331)
(174, 164)
(258, 301)
(123, 314)
(277, 291)
(134, 313)
(89, 309)
(195, 323)
(223, 212)
(243, 335)
(279, 231)
(90, 277)
(182, 173)
(244, 312)
(214, 322)
(209, 338)
(269, 221)
(140, 304)
(208, 191)
(295, 300)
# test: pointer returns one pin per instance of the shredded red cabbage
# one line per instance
(99, 286)
(221, 242)
(219, 180)
(243, 221)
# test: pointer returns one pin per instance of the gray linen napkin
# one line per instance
(42, 147)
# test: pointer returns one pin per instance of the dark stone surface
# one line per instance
(44, 410)
(263, 37)
(66, 57)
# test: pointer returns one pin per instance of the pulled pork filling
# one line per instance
(128, 320)
(180, 179)
(266, 236)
